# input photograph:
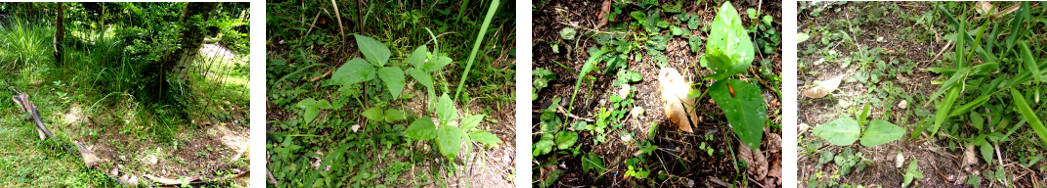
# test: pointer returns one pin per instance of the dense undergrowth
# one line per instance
(97, 93)
(980, 102)
(368, 94)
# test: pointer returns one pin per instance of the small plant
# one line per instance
(449, 136)
(845, 131)
(912, 173)
(730, 52)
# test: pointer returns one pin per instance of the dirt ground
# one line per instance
(939, 163)
(678, 153)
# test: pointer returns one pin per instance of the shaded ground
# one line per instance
(213, 144)
(908, 48)
(678, 155)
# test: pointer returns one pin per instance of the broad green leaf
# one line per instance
(987, 151)
(543, 146)
(419, 57)
(841, 132)
(421, 77)
(881, 132)
(1030, 62)
(591, 161)
(421, 129)
(393, 115)
(1023, 108)
(375, 113)
(977, 121)
(484, 137)
(729, 38)
(352, 72)
(450, 139)
(470, 122)
(393, 78)
(943, 109)
(375, 52)
(745, 109)
(566, 139)
(446, 110)
(436, 64)
(568, 33)
(311, 109)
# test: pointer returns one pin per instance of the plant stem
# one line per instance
(476, 46)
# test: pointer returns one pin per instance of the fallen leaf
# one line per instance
(823, 88)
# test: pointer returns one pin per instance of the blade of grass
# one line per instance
(1023, 108)
(589, 65)
(943, 109)
(476, 47)
(1029, 62)
(970, 105)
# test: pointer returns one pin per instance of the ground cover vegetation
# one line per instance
(390, 93)
(134, 94)
(953, 90)
(598, 93)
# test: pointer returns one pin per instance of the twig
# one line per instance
(321, 76)
(947, 45)
(568, 114)
(313, 25)
(341, 29)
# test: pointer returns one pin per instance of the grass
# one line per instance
(93, 98)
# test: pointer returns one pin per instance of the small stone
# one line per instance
(627, 138)
(803, 128)
(899, 161)
(904, 104)
(356, 127)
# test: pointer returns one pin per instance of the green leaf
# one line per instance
(421, 77)
(470, 122)
(446, 110)
(436, 64)
(864, 116)
(566, 139)
(1023, 108)
(375, 52)
(840, 132)
(543, 146)
(419, 57)
(375, 113)
(1030, 62)
(745, 110)
(911, 173)
(591, 161)
(450, 140)
(568, 33)
(352, 72)
(421, 129)
(729, 43)
(392, 115)
(881, 132)
(977, 121)
(484, 137)
(970, 105)
(311, 109)
(393, 78)
(943, 109)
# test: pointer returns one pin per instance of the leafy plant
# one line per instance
(542, 77)
(911, 173)
(449, 136)
(845, 131)
(729, 52)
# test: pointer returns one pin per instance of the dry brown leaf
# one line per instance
(823, 88)
(606, 8)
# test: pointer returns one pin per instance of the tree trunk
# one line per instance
(192, 36)
(59, 40)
